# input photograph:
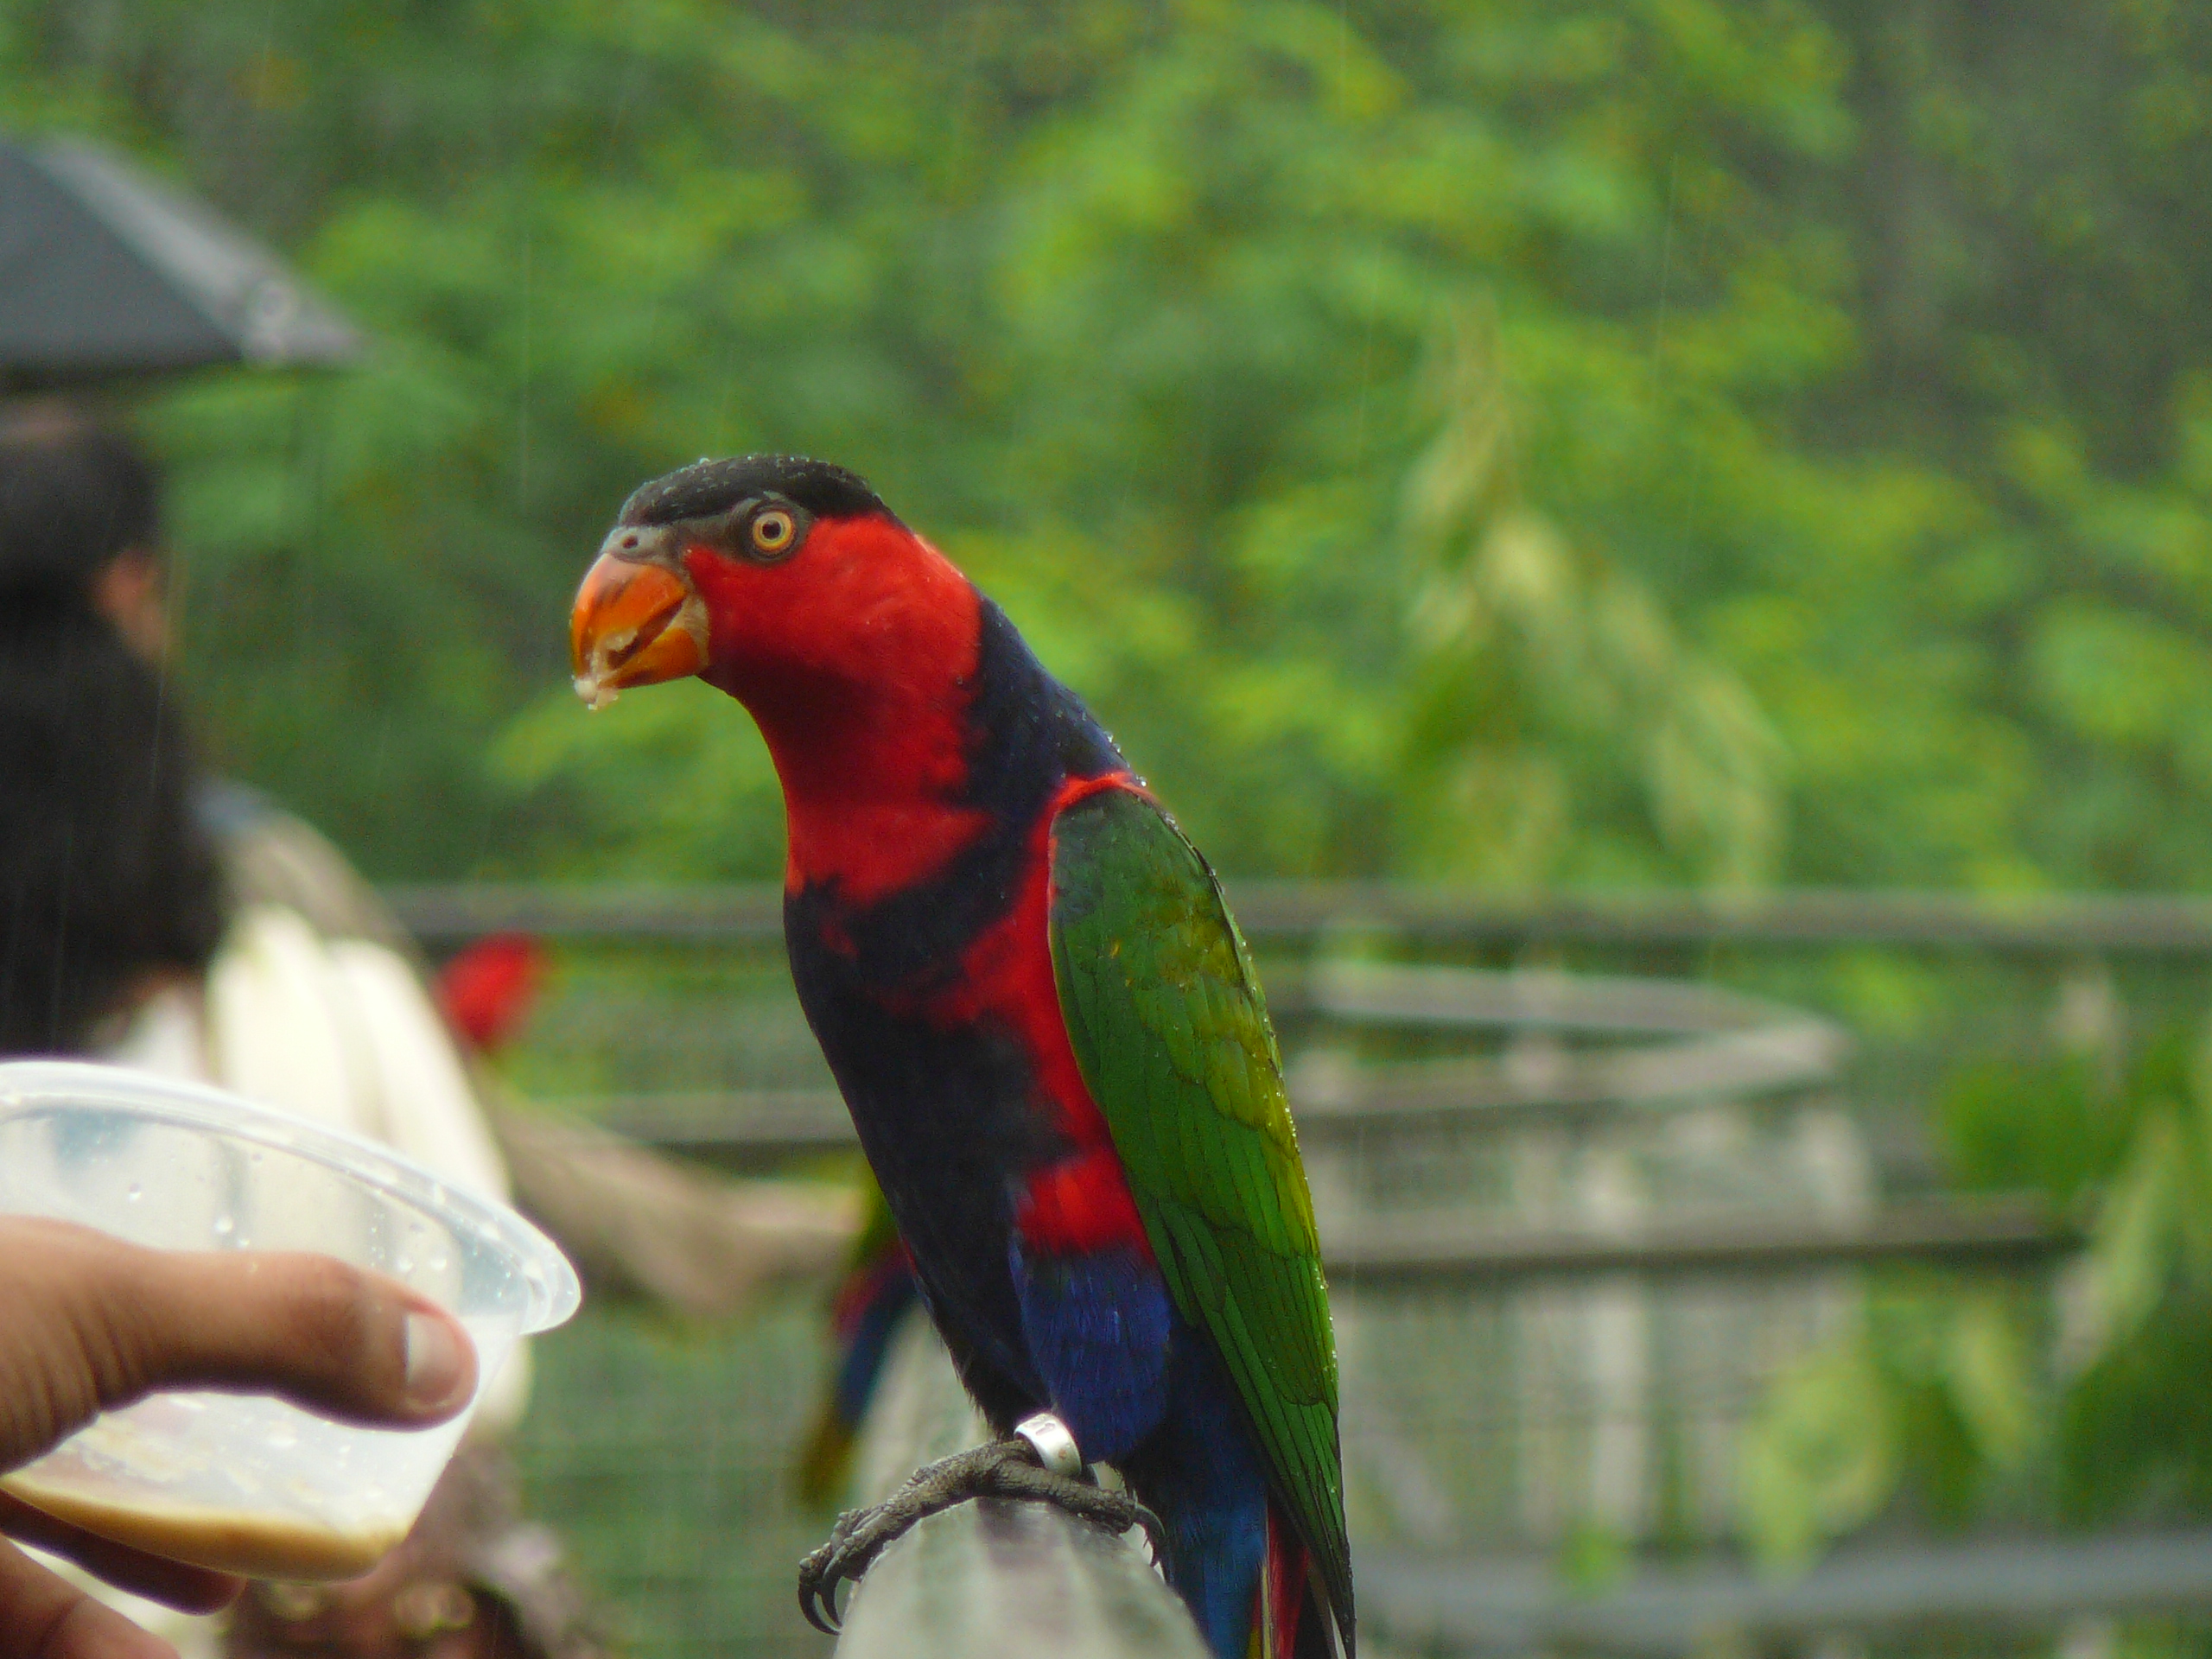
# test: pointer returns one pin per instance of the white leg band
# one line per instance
(1054, 1446)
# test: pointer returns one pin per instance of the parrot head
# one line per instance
(854, 644)
(763, 575)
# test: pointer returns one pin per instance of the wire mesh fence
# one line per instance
(1607, 1091)
(663, 1457)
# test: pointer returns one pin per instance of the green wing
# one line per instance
(1171, 1034)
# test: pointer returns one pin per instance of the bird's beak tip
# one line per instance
(633, 624)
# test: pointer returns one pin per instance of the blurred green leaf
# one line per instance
(1821, 1457)
(1829, 501)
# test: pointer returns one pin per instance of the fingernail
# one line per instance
(434, 1362)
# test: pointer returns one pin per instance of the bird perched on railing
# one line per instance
(1047, 1026)
(866, 1311)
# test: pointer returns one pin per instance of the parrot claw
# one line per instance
(1006, 1469)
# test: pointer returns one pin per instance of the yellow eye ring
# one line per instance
(773, 531)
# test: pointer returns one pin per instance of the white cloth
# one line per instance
(339, 1031)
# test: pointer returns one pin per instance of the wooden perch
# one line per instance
(991, 1580)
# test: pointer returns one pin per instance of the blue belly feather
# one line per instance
(1097, 1328)
(1142, 1389)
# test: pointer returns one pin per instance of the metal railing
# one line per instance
(2059, 924)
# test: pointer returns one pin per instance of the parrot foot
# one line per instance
(1009, 1469)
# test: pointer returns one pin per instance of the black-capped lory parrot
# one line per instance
(1047, 1028)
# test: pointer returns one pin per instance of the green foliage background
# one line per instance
(1622, 442)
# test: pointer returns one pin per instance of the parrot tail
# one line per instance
(1294, 1621)
(864, 1315)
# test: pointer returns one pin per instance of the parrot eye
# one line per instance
(773, 532)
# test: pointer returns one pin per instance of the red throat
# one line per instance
(857, 660)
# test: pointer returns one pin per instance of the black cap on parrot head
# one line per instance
(706, 488)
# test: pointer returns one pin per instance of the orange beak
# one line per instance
(633, 624)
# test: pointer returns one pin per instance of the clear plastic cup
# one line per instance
(248, 1483)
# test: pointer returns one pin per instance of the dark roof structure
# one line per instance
(106, 274)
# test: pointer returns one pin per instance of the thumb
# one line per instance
(126, 1321)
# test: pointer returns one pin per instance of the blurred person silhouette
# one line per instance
(110, 885)
(155, 919)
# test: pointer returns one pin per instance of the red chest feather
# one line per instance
(1081, 1202)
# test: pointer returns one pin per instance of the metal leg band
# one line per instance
(1052, 1442)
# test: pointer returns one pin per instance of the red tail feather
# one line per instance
(1292, 1620)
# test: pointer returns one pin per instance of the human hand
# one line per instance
(88, 1323)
